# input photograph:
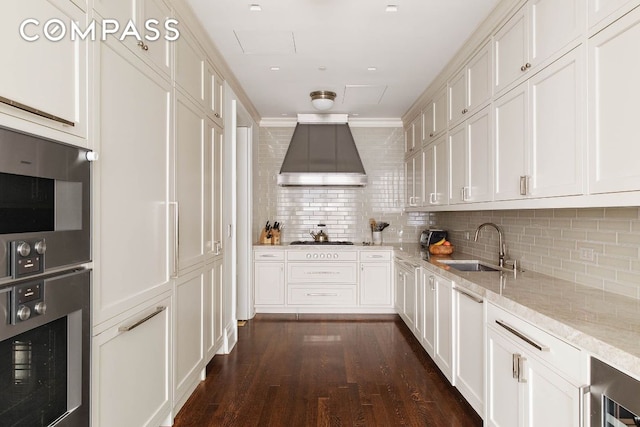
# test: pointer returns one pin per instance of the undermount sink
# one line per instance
(468, 265)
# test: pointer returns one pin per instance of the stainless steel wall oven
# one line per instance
(615, 397)
(45, 223)
(44, 351)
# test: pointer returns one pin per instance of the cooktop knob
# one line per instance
(335, 256)
(23, 312)
(309, 256)
(315, 256)
(23, 249)
(321, 255)
(40, 246)
(41, 307)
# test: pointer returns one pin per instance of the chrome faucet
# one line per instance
(502, 248)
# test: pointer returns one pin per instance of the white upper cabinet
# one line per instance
(557, 140)
(435, 116)
(470, 160)
(510, 46)
(436, 173)
(414, 181)
(470, 88)
(511, 139)
(610, 9)
(614, 90)
(215, 95)
(191, 64)
(537, 32)
(156, 53)
(46, 79)
(413, 136)
(539, 133)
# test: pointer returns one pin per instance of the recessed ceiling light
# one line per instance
(355, 114)
(274, 68)
(391, 8)
(322, 68)
(284, 114)
(372, 69)
(255, 7)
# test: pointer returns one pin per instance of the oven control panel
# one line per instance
(27, 301)
(27, 257)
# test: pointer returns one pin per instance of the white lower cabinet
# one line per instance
(406, 274)
(269, 277)
(533, 378)
(189, 327)
(375, 276)
(131, 365)
(213, 308)
(468, 337)
(435, 305)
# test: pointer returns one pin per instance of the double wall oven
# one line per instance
(45, 223)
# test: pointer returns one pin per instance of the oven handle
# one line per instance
(141, 321)
(583, 390)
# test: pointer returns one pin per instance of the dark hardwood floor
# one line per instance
(325, 370)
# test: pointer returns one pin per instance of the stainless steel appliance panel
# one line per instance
(615, 397)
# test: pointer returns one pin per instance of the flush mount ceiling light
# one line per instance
(391, 8)
(322, 99)
(255, 7)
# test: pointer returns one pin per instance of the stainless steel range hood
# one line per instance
(322, 152)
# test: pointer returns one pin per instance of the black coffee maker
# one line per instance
(431, 236)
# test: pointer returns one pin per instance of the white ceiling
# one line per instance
(408, 48)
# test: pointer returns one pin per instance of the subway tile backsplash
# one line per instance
(597, 247)
(345, 210)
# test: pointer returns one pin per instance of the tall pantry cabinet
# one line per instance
(158, 278)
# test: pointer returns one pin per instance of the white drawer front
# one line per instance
(372, 256)
(322, 273)
(268, 255)
(316, 295)
(557, 353)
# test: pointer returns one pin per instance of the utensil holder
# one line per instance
(376, 237)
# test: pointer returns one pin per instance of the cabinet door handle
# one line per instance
(468, 295)
(28, 109)
(524, 185)
(521, 370)
(522, 336)
(431, 134)
(176, 239)
(141, 321)
(432, 281)
(515, 366)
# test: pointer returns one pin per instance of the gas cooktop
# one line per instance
(313, 242)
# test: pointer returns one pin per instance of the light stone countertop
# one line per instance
(602, 323)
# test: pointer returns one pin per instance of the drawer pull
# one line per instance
(141, 321)
(522, 336)
(267, 256)
(468, 295)
(35, 111)
(321, 294)
(375, 256)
